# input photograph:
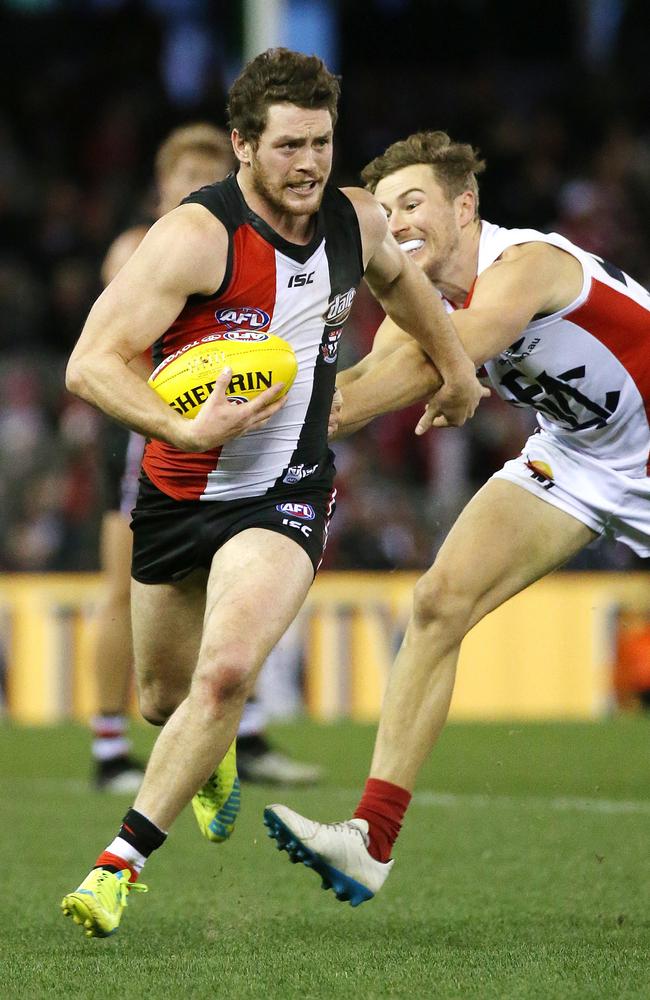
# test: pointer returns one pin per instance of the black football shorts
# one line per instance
(173, 537)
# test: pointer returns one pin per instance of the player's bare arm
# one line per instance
(409, 300)
(394, 374)
(184, 253)
(528, 280)
(122, 249)
(533, 279)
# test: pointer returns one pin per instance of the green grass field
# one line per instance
(522, 871)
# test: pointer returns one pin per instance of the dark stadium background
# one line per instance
(554, 94)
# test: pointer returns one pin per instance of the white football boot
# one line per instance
(337, 851)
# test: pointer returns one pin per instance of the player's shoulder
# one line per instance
(371, 215)
(529, 246)
(193, 222)
(186, 249)
(223, 200)
(534, 250)
(363, 201)
(537, 260)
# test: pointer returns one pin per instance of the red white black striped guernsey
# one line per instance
(300, 293)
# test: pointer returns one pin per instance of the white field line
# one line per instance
(425, 800)
(564, 803)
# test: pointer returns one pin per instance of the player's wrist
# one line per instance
(181, 433)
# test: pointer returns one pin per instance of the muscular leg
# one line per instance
(167, 627)
(257, 583)
(505, 539)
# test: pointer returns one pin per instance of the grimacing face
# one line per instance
(421, 218)
(192, 170)
(293, 158)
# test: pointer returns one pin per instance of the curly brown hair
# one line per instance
(455, 164)
(277, 76)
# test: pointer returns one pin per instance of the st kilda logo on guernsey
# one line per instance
(329, 347)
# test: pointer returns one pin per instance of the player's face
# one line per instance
(293, 159)
(191, 171)
(421, 217)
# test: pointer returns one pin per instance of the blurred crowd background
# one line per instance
(554, 94)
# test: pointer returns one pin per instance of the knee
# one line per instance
(441, 603)
(219, 681)
(158, 701)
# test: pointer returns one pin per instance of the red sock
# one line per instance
(383, 805)
(115, 864)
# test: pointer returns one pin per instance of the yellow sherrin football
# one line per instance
(258, 360)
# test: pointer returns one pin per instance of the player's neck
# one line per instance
(297, 229)
(457, 279)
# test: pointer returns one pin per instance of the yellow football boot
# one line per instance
(97, 905)
(216, 805)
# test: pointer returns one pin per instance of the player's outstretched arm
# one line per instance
(184, 253)
(394, 374)
(412, 303)
(532, 279)
(528, 280)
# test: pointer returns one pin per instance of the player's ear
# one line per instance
(242, 147)
(466, 207)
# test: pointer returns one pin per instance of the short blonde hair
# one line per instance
(201, 137)
(455, 164)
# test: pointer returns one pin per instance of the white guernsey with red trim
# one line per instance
(586, 371)
(586, 368)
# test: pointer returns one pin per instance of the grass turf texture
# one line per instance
(522, 872)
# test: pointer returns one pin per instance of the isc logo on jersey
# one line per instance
(303, 510)
(247, 316)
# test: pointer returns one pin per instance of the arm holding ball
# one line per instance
(183, 254)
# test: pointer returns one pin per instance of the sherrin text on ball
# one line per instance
(258, 360)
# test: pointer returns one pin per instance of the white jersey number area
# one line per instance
(586, 368)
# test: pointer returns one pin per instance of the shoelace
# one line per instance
(125, 887)
(345, 827)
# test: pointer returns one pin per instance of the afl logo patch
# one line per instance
(339, 308)
(248, 316)
(303, 510)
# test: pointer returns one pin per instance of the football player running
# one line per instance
(190, 157)
(212, 548)
(557, 329)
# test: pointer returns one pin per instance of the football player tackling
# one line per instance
(557, 329)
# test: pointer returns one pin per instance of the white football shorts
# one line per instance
(608, 502)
